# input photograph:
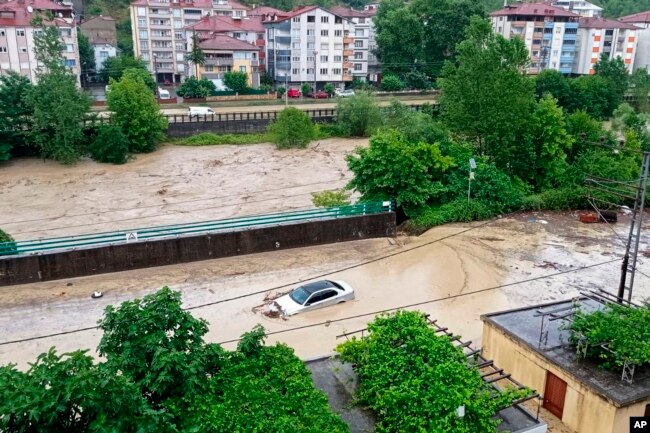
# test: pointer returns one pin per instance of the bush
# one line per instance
(305, 89)
(193, 88)
(282, 90)
(456, 211)
(573, 197)
(329, 89)
(339, 197)
(236, 81)
(110, 145)
(293, 128)
(358, 115)
(416, 126)
(209, 139)
(7, 244)
(417, 80)
(391, 83)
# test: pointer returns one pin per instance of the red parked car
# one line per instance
(319, 94)
(293, 93)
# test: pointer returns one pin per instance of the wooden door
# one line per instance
(647, 410)
(554, 394)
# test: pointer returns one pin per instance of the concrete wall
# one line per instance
(584, 410)
(137, 255)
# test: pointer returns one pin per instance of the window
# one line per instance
(295, 33)
(180, 57)
(65, 33)
(237, 13)
(607, 44)
(324, 46)
(555, 52)
(324, 32)
(571, 31)
(338, 33)
(180, 68)
(310, 58)
(142, 12)
(310, 70)
(311, 19)
(338, 20)
(22, 49)
(177, 13)
(336, 71)
(294, 71)
(537, 30)
(3, 49)
(310, 32)
(362, 20)
(310, 45)
(2, 32)
(236, 35)
(242, 69)
(558, 30)
(323, 58)
(103, 54)
(178, 24)
(69, 48)
(296, 45)
(358, 32)
(535, 53)
(323, 71)
(20, 32)
(548, 30)
(321, 296)
(296, 19)
(179, 35)
(71, 63)
(145, 56)
(358, 66)
(358, 44)
(142, 22)
(568, 42)
(337, 58)
(537, 41)
(295, 59)
(144, 45)
(209, 68)
(180, 46)
(143, 34)
(609, 32)
(324, 19)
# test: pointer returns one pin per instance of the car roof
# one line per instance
(318, 285)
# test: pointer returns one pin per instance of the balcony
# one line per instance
(221, 61)
(347, 65)
(348, 39)
(347, 77)
(347, 52)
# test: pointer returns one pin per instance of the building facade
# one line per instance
(642, 52)
(580, 7)
(100, 27)
(225, 54)
(103, 50)
(229, 8)
(598, 36)
(17, 35)
(364, 39)
(158, 30)
(310, 45)
(549, 32)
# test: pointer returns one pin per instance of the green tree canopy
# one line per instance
(358, 115)
(196, 55)
(114, 67)
(615, 72)
(193, 88)
(15, 113)
(86, 54)
(236, 81)
(292, 128)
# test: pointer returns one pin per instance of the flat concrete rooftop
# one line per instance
(339, 381)
(524, 325)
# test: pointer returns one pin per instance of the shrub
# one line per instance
(110, 145)
(293, 128)
(329, 89)
(236, 81)
(573, 197)
(193, 88)
(391, 83)
(282, 90)
(7, 244)
(358, 115)
(458, 210)
(209, 139)
(305, 89)
(417, 80)
(338, 197)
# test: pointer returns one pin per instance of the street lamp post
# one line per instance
(286, 89)
(472, 166)
(155, 68)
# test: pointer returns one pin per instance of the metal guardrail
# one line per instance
(205, 227)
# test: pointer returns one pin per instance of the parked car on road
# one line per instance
(318, 94)
(293, 93)
(199, 111)
(344, 93)
(311, 296)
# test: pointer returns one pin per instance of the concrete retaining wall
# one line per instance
(178, 130)
(137, 255)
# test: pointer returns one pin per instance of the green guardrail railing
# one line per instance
(153, 233)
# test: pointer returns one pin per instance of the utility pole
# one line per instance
(634, 237)
(286, 90)
(472, 165)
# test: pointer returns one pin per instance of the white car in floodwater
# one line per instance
(311, 296)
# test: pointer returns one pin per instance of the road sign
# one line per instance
(132, 237)
(472, 163)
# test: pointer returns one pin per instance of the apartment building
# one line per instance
(229, 8)
(248, 29)
(158, 30)
(224, 54)
(103, 50)
(17, 35)
(549, 32)
(310, 45)
(640, 20)
(598, 36)
(364, 37)
(579, 7)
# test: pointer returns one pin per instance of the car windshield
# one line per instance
(299, 295)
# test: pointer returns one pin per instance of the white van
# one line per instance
(163, 94)
(199, 111)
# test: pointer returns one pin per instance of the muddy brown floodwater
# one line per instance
(175, 184)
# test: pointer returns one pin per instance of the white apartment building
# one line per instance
(310, 45)
(158, 30)
(103, 50)
(580, 7)
(229, 8)
(364, 36)
(597, 36)
(17, 35)
(640, 20)
(549, 32)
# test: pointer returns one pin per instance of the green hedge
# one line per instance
(245, 92)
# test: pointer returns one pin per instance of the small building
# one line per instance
(364, 40)
(103, 50)
(225, 54)
(532, 345)
(549, 33)
(598, 36)
(101, 27)
(580, 7)
(642, 53)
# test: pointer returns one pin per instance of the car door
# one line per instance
(321, 299)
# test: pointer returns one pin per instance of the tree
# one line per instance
(392, 167)
(417, 80)
(337, 197)
(640, 88)
(305, 89)
(358, 115)
(486, 95)
(110, 145)
(86, 54)
(196, 54)
(292, 128)
(329, 89)
(593, 94)
(141, 75)
(135, 111)
(236, 81)
(193, 88)
(15, 113)
(8, 248)
(555, 83)
(615, 72)
(48, 49)
(391, 83)
(585, 130)
(114, 67)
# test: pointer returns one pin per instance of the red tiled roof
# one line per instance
(224, 42)
(195, 4)
(22, 17)
(296, 12)
(533, 9)
(604, 23)
(350, 13)
(100, 41)
(265, 10)
(101, 17)
(235, 5)
(641, 17)
(223, 24)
